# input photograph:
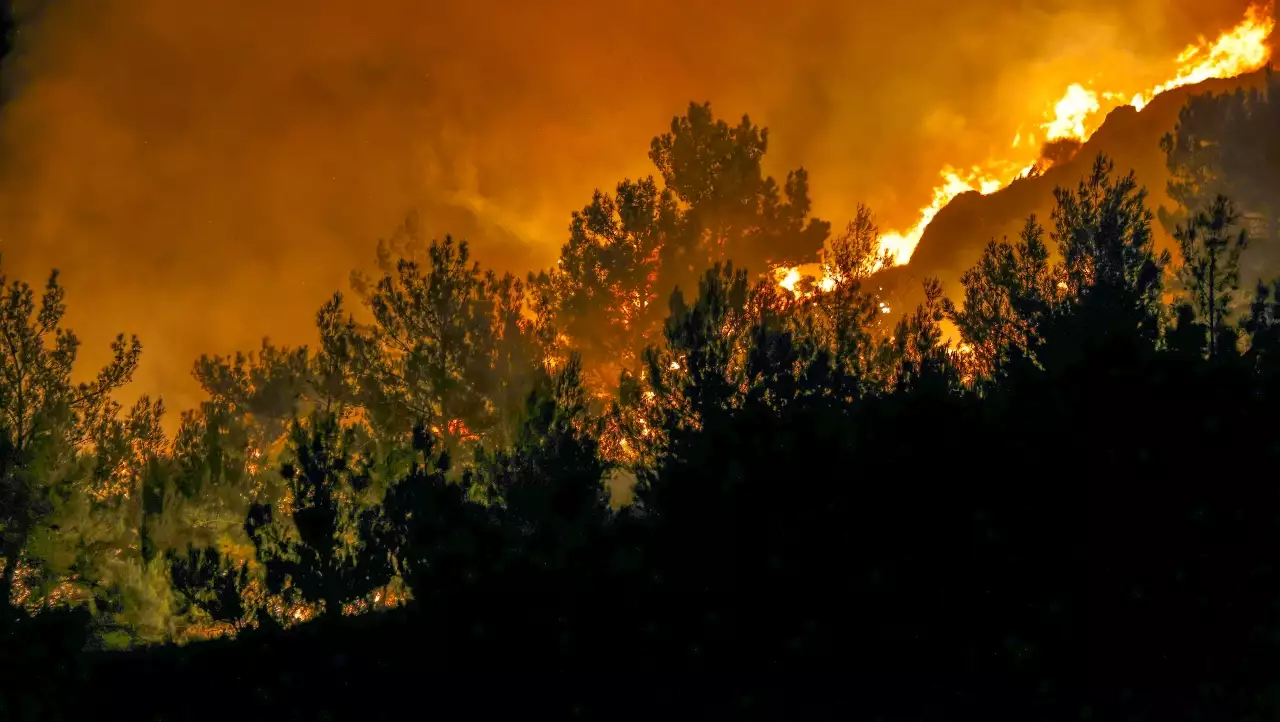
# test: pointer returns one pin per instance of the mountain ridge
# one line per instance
(954, 241)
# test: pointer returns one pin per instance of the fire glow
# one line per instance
(1076, 116)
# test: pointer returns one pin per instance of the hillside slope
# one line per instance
(955, 239)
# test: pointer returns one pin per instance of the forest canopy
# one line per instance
(654, 437)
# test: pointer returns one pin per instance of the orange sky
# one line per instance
(206, 172)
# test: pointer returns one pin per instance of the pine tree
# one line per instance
(551, 482)
(438, 536)
(850, 315)
(212, 583)
(1210, 245)
(1006, 294)
(630, 249)
(448, 346)
(1262, 331)
(1227, 145)
(602, 290)
(921, 354)
(329, 556)
(734, 211)
(1111, 276)
(47, 422)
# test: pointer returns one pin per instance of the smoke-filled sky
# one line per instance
(207, 172)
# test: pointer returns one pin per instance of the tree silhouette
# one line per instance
(1210, 246)
(734, 210)
(448, 345)
(46, 419)
(919, 348)
(333, 559)
(440, 539)
(1111, 274)
(849, 315)
(1006, 295)
(551, 481)
(1262, 331)
(212, 583)
(608, 274)
(632, 248)
(818, 484)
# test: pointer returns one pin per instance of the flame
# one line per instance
(901, 245)
(1242, 49)
(1239, 50)
(457, 429)
(1070, 114)
(790, 277)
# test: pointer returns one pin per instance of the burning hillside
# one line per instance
(1066, 132)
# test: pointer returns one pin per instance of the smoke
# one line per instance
(206, 173)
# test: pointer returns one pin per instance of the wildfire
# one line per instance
(457, 429)
(1239, 50)
(902, 244)
(1070, 114)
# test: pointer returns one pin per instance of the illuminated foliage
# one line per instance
(732, 210)
(212, 583)
(48, 423)
(629, 250)
(849, 314)
(328, 556)
(1006, 295)
(813, 480)
(449, 346)
(604, 284)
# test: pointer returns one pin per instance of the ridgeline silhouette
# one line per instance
(644, 483)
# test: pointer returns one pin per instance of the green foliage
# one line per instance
(812, 479)
(439, 538)
(47, 422)
(448, 347)
(212, 583)
(329, 558)
(701, 339)
(1112, 275)
(921, 353)
(608, 274)
(1103, 230)
(1006, 295)
(849, 316)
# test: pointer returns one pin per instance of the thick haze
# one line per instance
(207, 172)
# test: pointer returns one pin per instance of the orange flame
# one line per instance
(1242, 49)
(1239, 50)
(901, 245)
(1070, 114)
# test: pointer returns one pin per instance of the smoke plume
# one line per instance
(206, 173)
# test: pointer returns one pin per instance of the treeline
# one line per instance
(1067, 511)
